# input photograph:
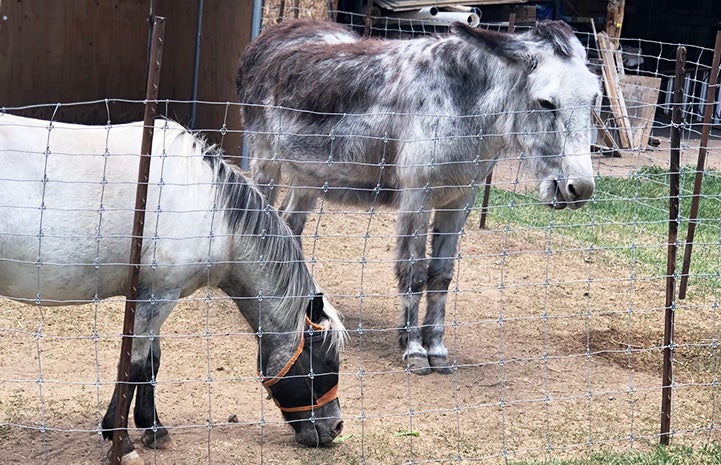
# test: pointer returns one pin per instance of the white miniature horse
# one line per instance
(66, 211)
(417, 124)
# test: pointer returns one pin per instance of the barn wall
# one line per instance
(80, 50)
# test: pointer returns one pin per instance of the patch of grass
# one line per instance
(630, 216)
(706, 455)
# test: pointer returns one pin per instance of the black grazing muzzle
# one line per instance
(310, 378)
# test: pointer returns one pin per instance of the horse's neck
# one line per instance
(277, 337)
(267, 302)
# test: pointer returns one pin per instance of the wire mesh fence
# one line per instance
(554, 318)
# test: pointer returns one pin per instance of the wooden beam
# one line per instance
(614, 19)
(641, 95)
(606, 136)
(612, 85)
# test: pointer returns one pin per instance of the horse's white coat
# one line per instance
(67, 198)
(66, 211)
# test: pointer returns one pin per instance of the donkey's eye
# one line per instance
(547, 104)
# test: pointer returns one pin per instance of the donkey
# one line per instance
(416, 124)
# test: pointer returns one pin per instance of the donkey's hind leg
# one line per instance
(447, 226)
(266, 174)
(296, 207)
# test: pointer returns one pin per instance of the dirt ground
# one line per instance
(557, 348)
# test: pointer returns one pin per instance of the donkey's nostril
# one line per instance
(571, 191)
(580, 190)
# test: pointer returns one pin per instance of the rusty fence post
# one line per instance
(673, 217)
(151, 96)
(700, 166)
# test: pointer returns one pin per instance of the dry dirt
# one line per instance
(557, 348)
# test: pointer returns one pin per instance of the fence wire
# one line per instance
(554, 319)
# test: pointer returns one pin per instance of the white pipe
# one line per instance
(432, 14)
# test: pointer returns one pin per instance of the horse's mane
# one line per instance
(248, 213)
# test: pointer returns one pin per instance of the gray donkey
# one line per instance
(416, 124)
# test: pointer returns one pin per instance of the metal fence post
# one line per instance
(151, 96)
(673, 210)
(700, 163)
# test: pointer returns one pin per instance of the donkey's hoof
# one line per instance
(160, 440)
(418, 364)
(440, 364)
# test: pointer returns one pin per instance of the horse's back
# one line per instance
(66, 205)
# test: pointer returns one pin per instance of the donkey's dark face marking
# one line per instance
(417, 124)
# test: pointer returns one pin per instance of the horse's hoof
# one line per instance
(440, 364)
(418, 364)
(129, 458)
(132, 458)
(158, 440)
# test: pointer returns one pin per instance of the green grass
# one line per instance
(628, 216)
(706, 455)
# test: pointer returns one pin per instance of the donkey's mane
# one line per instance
(248, 214)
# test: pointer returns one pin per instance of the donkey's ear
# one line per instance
(503, 45)
(561, 37)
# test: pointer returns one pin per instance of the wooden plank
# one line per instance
(614, 22)
(605, 134)
(611, 83)
(72, 51)
(641, 94)
(614, 19)
(218, 66)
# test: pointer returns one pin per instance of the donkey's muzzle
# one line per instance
(561, 193)
(577, 192)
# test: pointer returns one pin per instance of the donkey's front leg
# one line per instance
(296, 206)
(447, 226)
(412, 230)
(265, 173)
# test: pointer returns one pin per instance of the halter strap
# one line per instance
(328, 397)
(267, 383)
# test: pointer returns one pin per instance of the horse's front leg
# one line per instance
(447, 226)
(150, 313)
(129, 455)
(412, 231)
(155, 436)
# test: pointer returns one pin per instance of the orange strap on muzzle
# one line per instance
(268, 383)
